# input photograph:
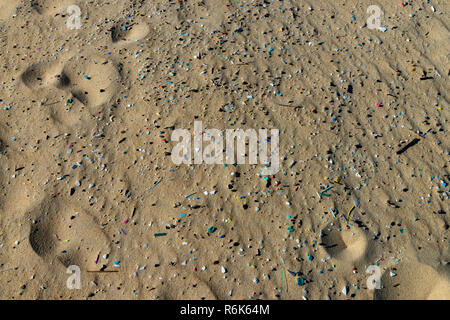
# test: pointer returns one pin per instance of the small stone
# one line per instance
(345, 290)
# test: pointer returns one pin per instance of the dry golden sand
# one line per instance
(156, 66)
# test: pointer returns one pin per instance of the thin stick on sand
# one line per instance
(288, 105)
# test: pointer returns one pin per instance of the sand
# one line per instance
(87, 178)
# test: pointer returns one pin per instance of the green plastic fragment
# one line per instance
(160, 234)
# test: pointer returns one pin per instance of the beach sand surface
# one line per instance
(86, 171)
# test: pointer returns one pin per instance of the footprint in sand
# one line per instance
(413, 280)
(345, 245)
(66, 235)
(124, 34)
(93, 80)
(39, 76)
(52, 7)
